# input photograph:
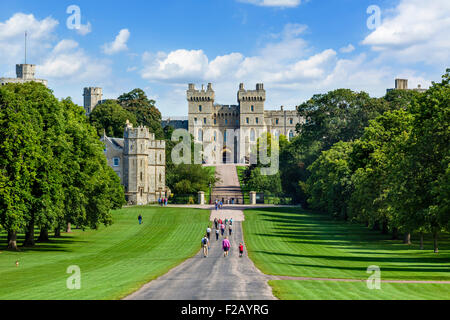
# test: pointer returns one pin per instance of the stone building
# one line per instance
(209, 122)
(25, 73)
(140, 162)
(92, 96)
(402, 84)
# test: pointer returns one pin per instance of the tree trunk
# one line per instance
(57, 232)
(69, 228)
(394, 234)
(421, 241)
(12, 241)
(43, 236)
(407, 238)
(435, 236)
(384, 229)
(29, 236)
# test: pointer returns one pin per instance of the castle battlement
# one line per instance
(158, 144)
(252, 95)
(200, 95)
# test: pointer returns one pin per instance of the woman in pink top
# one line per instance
(226, 246)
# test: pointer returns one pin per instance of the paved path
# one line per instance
(228, 187)
(214, 277)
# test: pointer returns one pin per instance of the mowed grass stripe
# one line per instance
(331, 290)
(114, 261)
(294, 242)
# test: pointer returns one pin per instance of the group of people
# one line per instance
(220, 227)
(163, 202)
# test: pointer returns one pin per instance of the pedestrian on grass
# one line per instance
(140, 219)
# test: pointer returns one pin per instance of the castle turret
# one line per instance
(201, 107)
(92, 97)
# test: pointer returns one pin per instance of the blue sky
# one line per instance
(296, 47)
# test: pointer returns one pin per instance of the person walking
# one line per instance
(208, 233)
(230, 229)
(217, 234)
(205, 243)
(226, 245)
(216, 223)
(222, 229)
(140, 219)
(231, 221)
(241, 250)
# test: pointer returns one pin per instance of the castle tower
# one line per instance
(401, 84)
(200, 103)
(92, 97)
(25, 71)
(136, 157)
(251, 105)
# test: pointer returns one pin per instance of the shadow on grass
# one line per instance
(60, 244)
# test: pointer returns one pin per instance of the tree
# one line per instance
(110, 117)
(144, 109)
(52, 167)
(330, 185)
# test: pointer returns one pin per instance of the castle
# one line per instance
(140, 162)
(25, 73)
(208, 122)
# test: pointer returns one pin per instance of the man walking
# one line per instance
(205, 243)
(222, 229)
(208, 233)
(140, 219)
(217, 234)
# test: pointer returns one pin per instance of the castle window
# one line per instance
(116, 162)
(237, 122)
(199, 108)
(257, 120)
(291, 135)
(160, 177)
(291, 121)
(141, 176)
(252, 135)
(226, 121)
(204, 120)
(247, 120)
(215, 136)
(277, 121)
(200, 135)
(215, 121)
(195, 120)
(160, 158)
(252, 108)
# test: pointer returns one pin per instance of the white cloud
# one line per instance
(274, 3)
(69, 62)
(119, 44)
(347, 49)
(84, 29)
(40, 33)
(414, 31)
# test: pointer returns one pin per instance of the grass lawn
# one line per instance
(293, 242)
(212, 171)
(321, 290)
(114, 261)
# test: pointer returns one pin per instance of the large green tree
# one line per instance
(144, 109)
(110, 117)
(50, 155)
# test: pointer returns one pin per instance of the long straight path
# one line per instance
(213, 278)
